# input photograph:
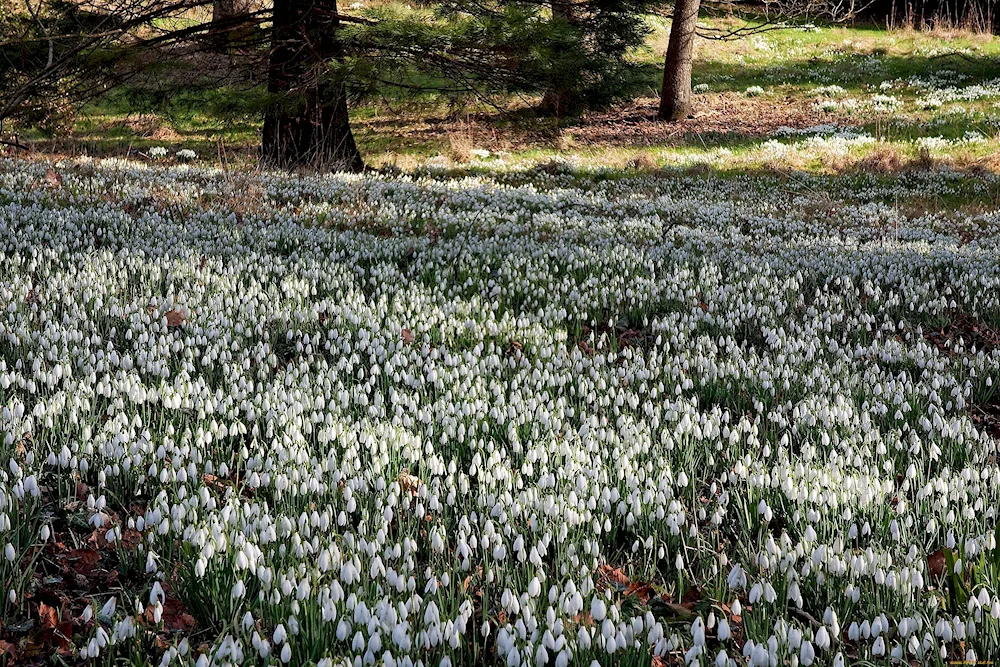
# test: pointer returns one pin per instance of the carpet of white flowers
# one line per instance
(522, 418)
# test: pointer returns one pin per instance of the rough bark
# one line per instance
(226, 9)
(560, 98)
(226, 16)
(307, 124)
(675, 96)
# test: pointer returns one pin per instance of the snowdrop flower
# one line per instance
(807, 654)
(598, 610)
(723, 630)
(822, 638)
(239, 590)
(156, 593)
(108, 610)
(317, 370)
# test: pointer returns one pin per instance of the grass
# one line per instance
(762, 328)
(790, 64)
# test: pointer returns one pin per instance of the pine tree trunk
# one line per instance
(224, 15)
(307, 124)
(224, 9)
(675, 97)
(560, 98)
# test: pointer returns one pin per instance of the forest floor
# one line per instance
(817, 99)
(604, 391)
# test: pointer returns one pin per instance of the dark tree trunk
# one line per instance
(560, 98)
(226, 23)
(307, 123)
(224, 9)
(675, 97)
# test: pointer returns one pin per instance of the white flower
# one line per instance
(807, 654)
(822, 638)
(598, 610)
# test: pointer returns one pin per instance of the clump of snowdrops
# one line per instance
(411, 420)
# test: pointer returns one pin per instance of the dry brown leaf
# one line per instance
(83, 560)
(48, 617)
(937, 563)
(643, 591)
(408, 483)
(174, 616)
(175, 318)
(612, 574)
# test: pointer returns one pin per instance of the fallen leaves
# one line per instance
(965, 330)
(663, 606)
(937, 563)
(55, 627)
(53, 178)
(614, 575)
(48, 631)
(408, 483)
(174, 615)
(620, 335)
(217, 483)
(48, 616)
(80, 561)
(74, 568)
(175, 318)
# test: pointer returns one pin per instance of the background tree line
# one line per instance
(314, 56)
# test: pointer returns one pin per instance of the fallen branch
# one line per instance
(15, 144)
(805, 616)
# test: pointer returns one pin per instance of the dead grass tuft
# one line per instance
(460, 144)
(165, 133)
(699, 169)
(642, 162)
(566, 141)
(882, 160)
(888, 159)
(144, 124)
